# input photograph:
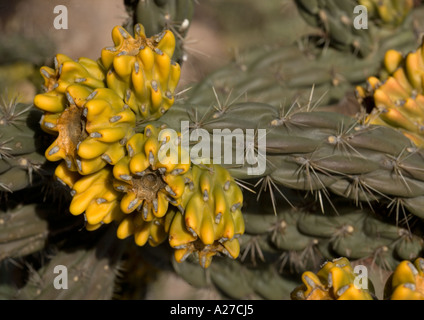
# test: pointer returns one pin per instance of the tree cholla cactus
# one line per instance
(117, 187)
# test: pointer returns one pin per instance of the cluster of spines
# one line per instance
(86, 272)
(297, 240)
(323, 153)
(20, 144)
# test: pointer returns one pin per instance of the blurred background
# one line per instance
(220, 31)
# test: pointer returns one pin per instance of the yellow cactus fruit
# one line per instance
(151, 176)
(92, 129)
(186, 243)
(84, 71)
(152, 232)
(388, 12)
(141, 71)
(407, 281)
(334, 281)
(392, 60)
(94, 196)
(66, 176)
(398, 100)
(210, 218)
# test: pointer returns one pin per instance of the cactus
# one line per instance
(91, 272)
(234, 280)
(293, 240)
(24, 230)
(21, 161)
(336, 19)
(279, 74)
(301, 238)
(279, 247)
(320, 152)
(290, 72)
(348, 187)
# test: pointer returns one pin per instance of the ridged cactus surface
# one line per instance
(21, 143)
(24, 230)
(337, 20)
(321, 152)
(90, 274)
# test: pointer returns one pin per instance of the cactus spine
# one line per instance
(21, 160)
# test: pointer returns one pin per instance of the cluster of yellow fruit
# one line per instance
(141, 72)
(117, 174)
(407, 282)
(389, 12)
(397, 98)
(211, 221)
(336, 280)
